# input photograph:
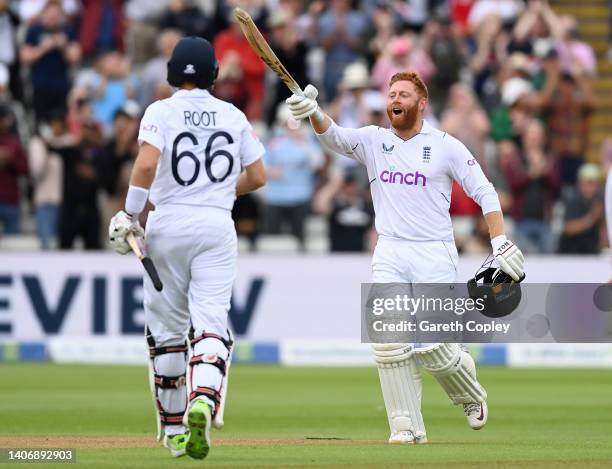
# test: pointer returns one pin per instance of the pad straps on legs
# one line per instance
(455, 370)
(210, 359)
(160, 382)
(400, 381)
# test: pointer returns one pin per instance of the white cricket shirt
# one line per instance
(411, 180)
(204, 144)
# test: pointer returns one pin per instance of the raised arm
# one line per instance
(347, 142)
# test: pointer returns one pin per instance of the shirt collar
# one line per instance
(194, 93)
(427, 127)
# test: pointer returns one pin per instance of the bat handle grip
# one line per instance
(293, 123)
(131, 240)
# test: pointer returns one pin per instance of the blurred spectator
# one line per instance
(467, 121)
(246, 215)
(532, 33)
(29, 10)
(413, 13)
(571, 48)
(292, 158)
(102, 26)
(13, 165)
(291, 51)
(340, 30)
(534, 180)
(50, 48)
(583, 213)
(241, 72)
(383, 29)
(480, 241)
(80, 215)
(47, 170)
(606, 164)
(506, 10)
(567, 117)
(80, 111)
(401, 54)
(155, 70)
(442, 42)
(141, 29)
(112, 87)
(4, 83)
(349, 211)
(9, 56)
(460, 12)
(195, 17)
(490, 52)
(305, 22)
(120, 151)
(352, 108)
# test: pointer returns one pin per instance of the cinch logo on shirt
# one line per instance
(396, 177)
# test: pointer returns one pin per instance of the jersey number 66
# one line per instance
(208, 157)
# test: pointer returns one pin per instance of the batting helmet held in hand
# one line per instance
(193, 61)
(500, 293)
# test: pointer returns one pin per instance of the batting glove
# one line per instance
(509, 257)
(304, 105)
(120, 225)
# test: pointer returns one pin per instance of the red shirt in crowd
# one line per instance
(253, 69)
(11, 168)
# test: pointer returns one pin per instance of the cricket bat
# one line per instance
(146, 262)
(263, 49)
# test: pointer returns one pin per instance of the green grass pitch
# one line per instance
(311, 417)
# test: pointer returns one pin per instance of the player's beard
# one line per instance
(406, 119)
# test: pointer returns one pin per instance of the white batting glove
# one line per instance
(302, 106)
(120, 225)
(509, 257)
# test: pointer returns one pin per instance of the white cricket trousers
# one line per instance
(194, 249)
(398, 260)
(402, 261)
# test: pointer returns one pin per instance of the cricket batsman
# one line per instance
(411, 167)
(193, 148)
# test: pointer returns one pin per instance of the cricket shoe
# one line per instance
(176, 444)
(406, 437)
(476, 414)
(198, 420)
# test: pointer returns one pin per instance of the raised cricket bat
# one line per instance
(146, 262)
(263, 49)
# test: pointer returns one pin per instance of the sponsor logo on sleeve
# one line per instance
(149, 128)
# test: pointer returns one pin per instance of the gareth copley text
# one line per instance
(430, 326)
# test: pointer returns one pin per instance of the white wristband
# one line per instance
(136, 200)
(498, 241)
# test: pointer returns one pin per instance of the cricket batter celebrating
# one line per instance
(411, 166)
(192, 150)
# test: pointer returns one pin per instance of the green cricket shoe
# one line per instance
(176, 444)
(198, 420)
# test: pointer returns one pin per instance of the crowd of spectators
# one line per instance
(511, 79)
